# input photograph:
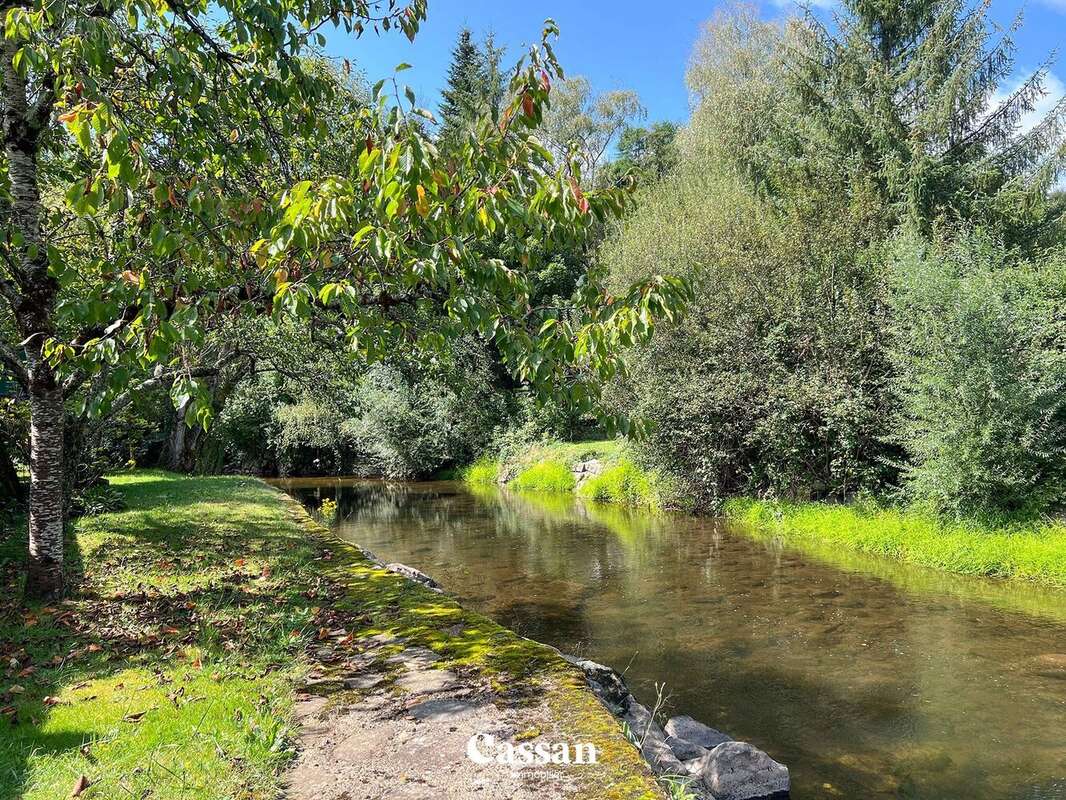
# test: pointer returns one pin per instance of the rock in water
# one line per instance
(415, 575)
(686, 728)
(651, 740)
(738, 771)
(684, 749)
(605, 683)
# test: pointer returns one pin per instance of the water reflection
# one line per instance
(870, 679)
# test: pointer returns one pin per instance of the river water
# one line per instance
(869, 679)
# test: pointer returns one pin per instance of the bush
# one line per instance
(545, 476)
(625, 483)
(980, 344)
(327, 512)
(777, 381)
(100, 498)
(483, 472)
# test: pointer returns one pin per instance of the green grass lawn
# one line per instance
(1035, 552)
(170, 671)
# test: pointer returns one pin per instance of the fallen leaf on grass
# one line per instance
(80, 786)
(16, 689)
(137, 716)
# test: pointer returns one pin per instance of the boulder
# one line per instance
(605, 683)
(739, 771)
(583, 470)
(695, 732)
(415, 575)
(684, 749)
(650, 738)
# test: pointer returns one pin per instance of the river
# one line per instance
(869, 679)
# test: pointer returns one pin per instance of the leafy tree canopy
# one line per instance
(157, 175)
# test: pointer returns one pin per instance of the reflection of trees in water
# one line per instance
(879, 683)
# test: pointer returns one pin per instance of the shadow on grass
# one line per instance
(166, 600)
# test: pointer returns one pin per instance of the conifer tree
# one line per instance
(474, 86)
(903, 96)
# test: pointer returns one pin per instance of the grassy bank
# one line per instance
(549, 467)
(171, 670)
(1034, 553)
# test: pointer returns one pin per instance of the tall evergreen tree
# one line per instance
(903, 98)
(475, 86)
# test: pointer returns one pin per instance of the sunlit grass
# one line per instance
(548, 467)
(545, 476)
(170, 672)
(483, 472)
(1035, 552)
(624, 483)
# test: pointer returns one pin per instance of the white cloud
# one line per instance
(1054, 90)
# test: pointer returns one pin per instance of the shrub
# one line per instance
(980, 344)
(545, 476)
(624, 483)
(327, 511)
(99, 498)
(483, 472)
(777, 381)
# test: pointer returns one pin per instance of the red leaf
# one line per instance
(579, 197)
(527, 104)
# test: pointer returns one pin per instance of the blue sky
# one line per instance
(627, 44)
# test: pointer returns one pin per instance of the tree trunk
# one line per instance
(181, 445)
(33, 299)
(44, 577)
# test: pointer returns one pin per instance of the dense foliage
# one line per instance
(980, 345)
(804, 368)
(162, 176)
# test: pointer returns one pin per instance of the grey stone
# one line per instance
(583, 470)
(362, 682)
(415, 657)
(370, 556)
(695, 732)
(448, 709)
(413, 574)
(739, 771)
(605, 683)
(650, 738)
(427, 681)
(684, 749)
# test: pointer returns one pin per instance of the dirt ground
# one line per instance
(404, 735)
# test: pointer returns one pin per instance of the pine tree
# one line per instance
(902, 96)
(475, 86)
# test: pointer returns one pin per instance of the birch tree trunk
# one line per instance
(44, 577)
(33, 298)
